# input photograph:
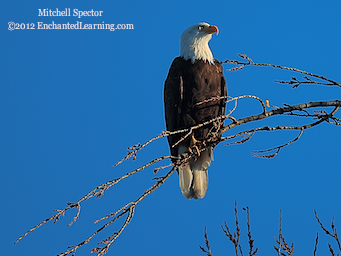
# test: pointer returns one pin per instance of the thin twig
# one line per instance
(316, 242)
(130, 210)
(251, 241)
(132, 151)
(229, 99)
(282, 243)
(279, 235)
(98, 191)
(278, 148)
(251, 63)
(334, 234)
(236, 235)
(208, 250)
(280, 111)
(331, 249)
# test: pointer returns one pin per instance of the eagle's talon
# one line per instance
(197, 149)
(195, 141)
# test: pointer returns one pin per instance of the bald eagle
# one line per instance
(194, 77)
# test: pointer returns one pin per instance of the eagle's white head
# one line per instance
(194, 42)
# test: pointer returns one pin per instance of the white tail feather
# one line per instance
(185, 180)
(199, 186)
(193, 176)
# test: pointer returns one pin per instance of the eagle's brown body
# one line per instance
(186, 85)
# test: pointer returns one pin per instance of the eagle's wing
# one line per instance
(220, 80)
(173, 96)
(223, 91)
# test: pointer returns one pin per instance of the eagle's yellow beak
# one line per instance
(211, 29)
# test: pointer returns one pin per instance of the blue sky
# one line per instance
(72, 101)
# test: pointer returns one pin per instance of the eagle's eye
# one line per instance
(200, 27)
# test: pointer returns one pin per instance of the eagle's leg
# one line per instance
(194, 142)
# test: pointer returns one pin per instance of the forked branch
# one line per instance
(206, 250)
(294, 81)
(282, 247)
(333, 234)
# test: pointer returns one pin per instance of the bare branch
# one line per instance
(236, 235)
(280, 111)
(77, 215)
(208, 250)
(132, 151)
(129, 210)
(278, 148)
(334, 234)
(251, 241)
(295, 82)
(331, 250)
(98, 192)
(316, 242)
(251, 63)
(278, 249)
(229, 99)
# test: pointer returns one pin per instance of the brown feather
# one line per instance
(186, 85)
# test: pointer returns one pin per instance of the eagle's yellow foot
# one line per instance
(194, 141)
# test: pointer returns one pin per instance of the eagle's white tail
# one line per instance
(193, 177)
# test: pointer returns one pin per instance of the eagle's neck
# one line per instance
(197, 49)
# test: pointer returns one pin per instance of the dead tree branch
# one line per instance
(236, 235)
(282, 248)
(316, 242)
(294, 81)
(333, 234)
(97, 192)
(282, 243)
(207, 243)
(289, 109)
(252, 252)
(128, 210)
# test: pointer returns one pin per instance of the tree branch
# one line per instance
(332, 234)
(207, 243)
(251, 63)
(98, 192)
